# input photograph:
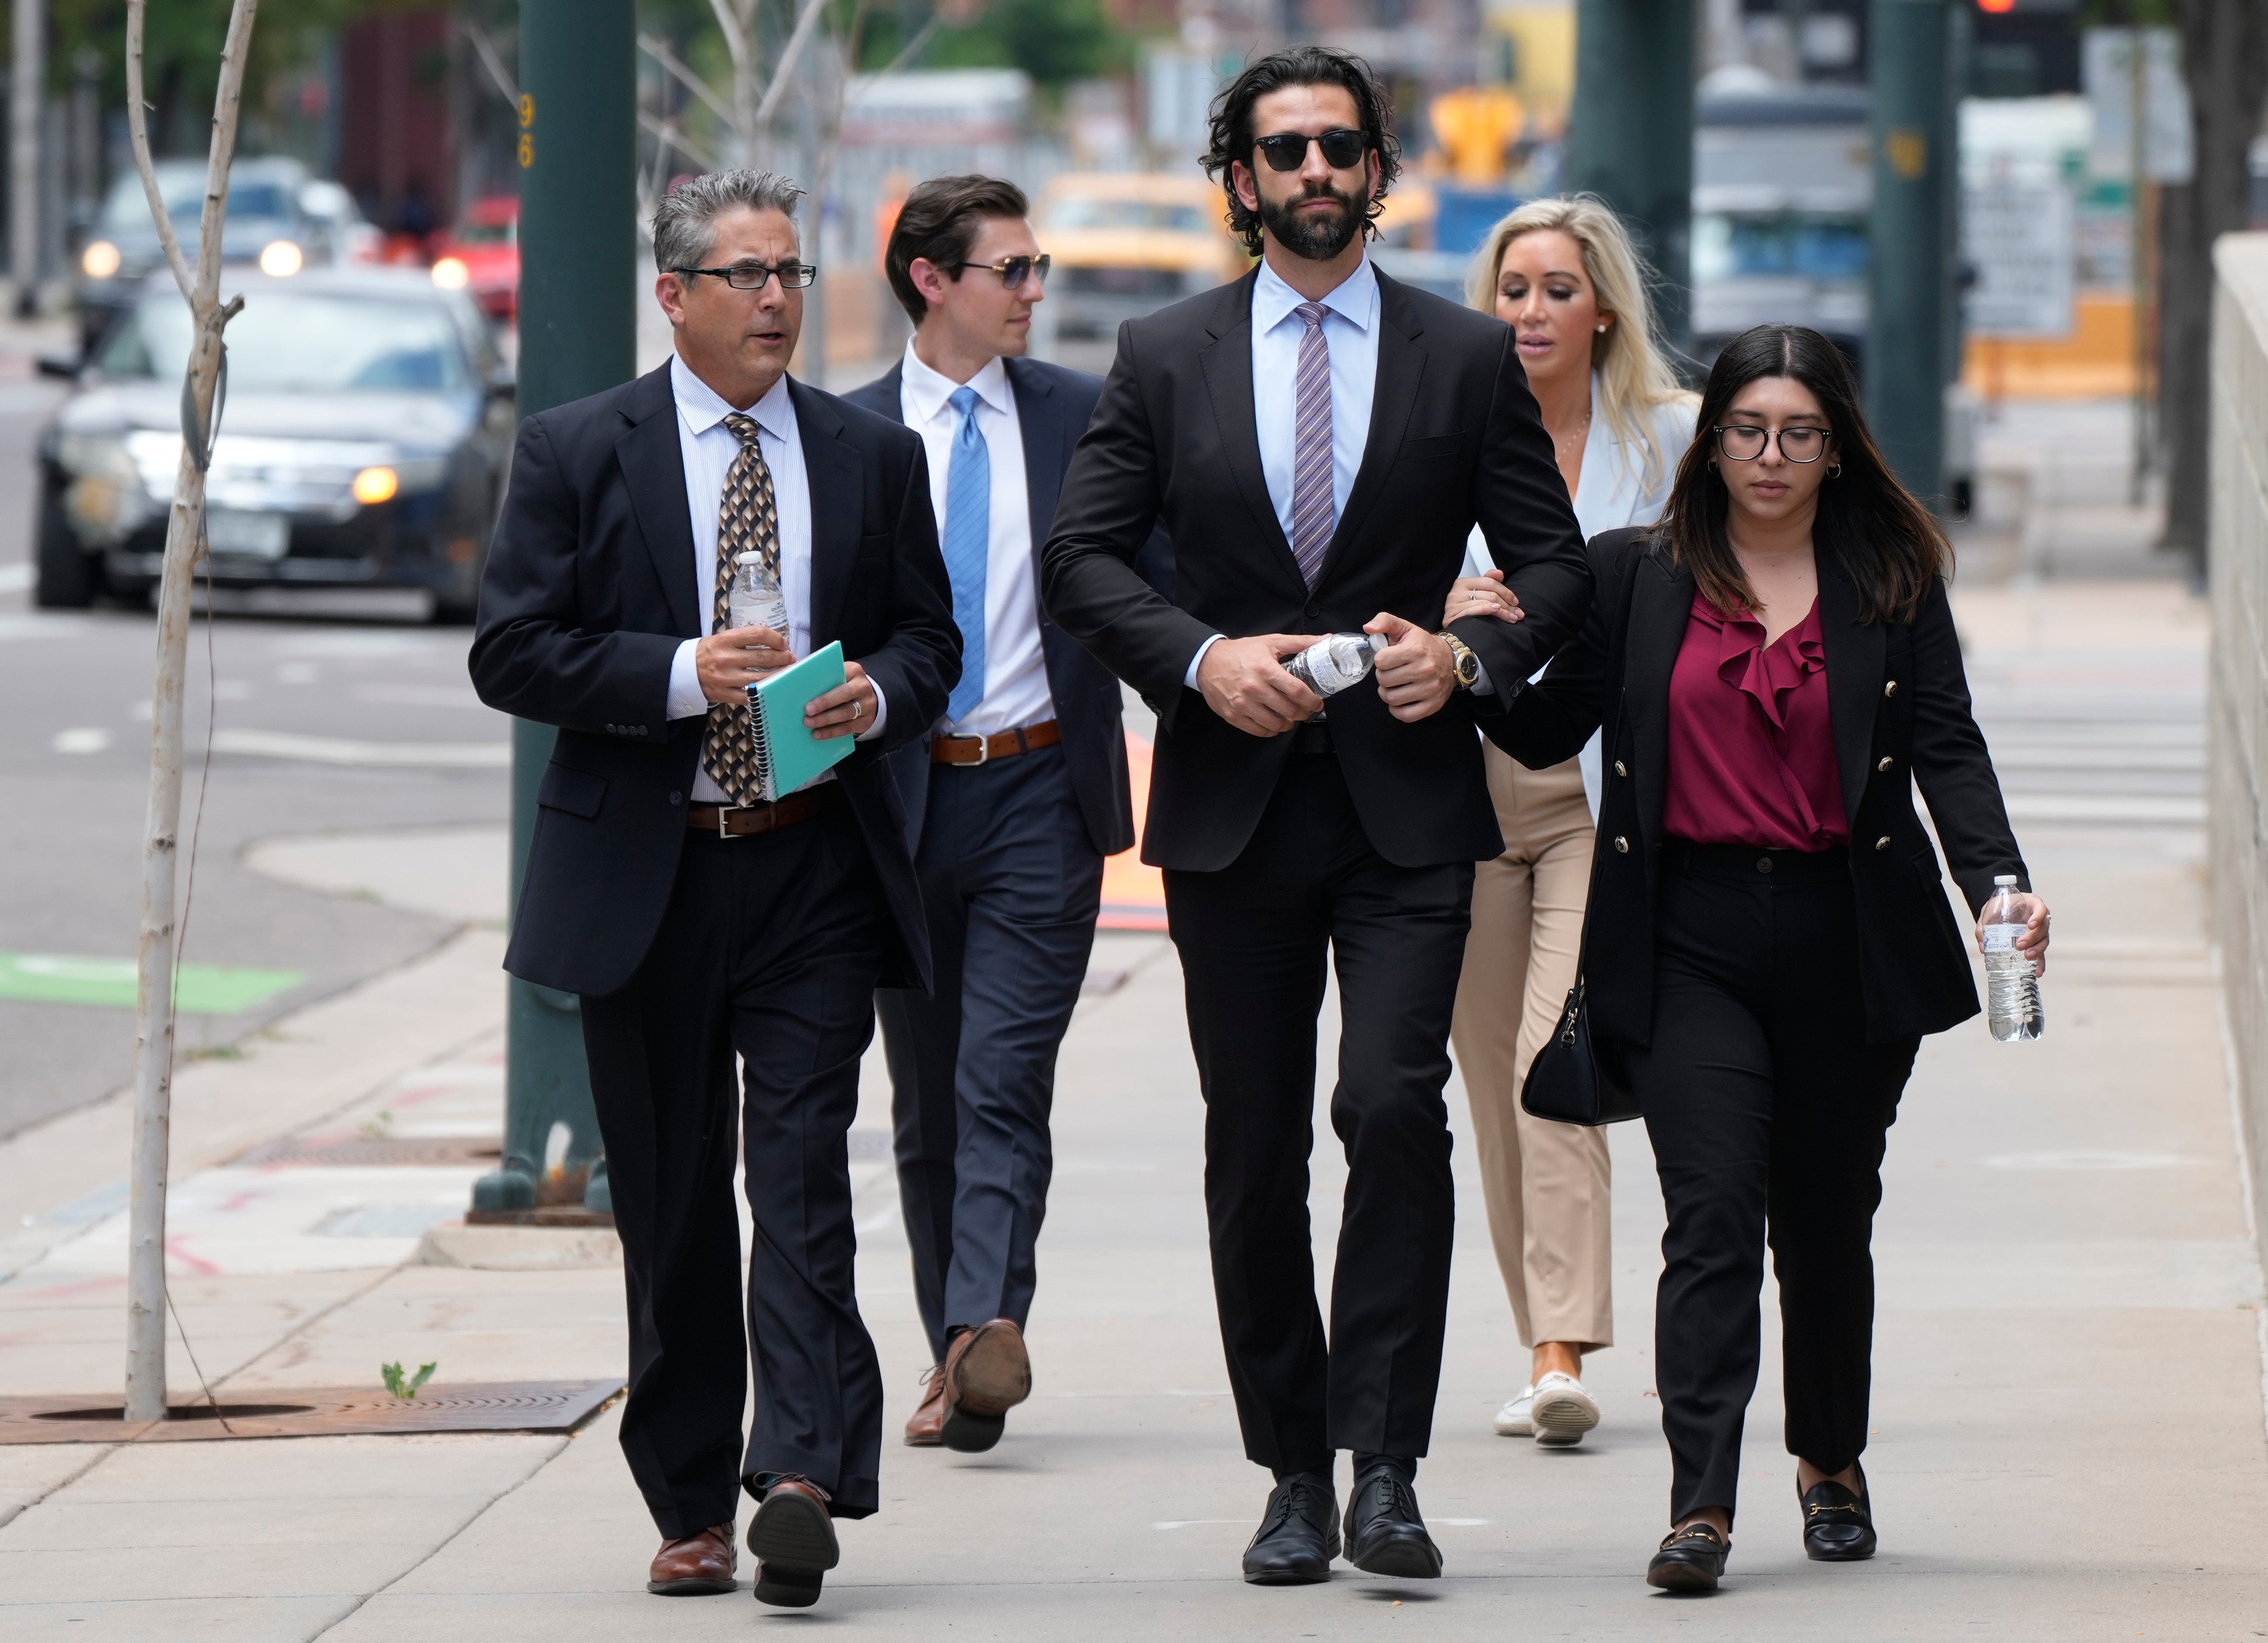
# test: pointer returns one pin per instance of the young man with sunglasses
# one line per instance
(697, 918)
(1319, 440)
(1012, 800)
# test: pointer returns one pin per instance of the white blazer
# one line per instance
(1611, 493)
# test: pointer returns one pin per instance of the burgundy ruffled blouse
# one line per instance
(1751, 747)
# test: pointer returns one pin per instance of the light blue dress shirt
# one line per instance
(1350, 328)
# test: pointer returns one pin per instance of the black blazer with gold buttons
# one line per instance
(1898, 702)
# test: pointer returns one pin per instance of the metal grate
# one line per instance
(315, 1411)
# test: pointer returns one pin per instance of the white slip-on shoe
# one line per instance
(1561, 1410)
(1513, 1421)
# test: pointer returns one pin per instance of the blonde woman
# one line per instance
(1562, 273)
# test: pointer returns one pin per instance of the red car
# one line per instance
(481, 254)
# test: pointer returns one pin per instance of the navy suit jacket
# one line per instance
(588, 591)
(1053, 404)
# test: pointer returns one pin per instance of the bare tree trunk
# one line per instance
(2225, 61)
(153, 1008)
(25, 83)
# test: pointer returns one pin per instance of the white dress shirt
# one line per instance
(1612, 490)
(1016, 692)
(1350, 328)
(708, 448)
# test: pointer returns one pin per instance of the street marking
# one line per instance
(82, 739)
(2094, 1160)
(277, 744)
(198, 989)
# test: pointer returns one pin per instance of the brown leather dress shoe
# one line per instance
(987, 1373)
(923, 1425)
(792, 1534)
(699, 1566)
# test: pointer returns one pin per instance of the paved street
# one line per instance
(2068, 1397)
(321, 725)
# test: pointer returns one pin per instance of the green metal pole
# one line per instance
(1630, 140)
(1908, 291)
(578, 335)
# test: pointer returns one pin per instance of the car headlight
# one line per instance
(106, 498)
(100, 260)
(374, 485)
(450, 274)
(280, 259)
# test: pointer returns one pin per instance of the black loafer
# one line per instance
(1692, 1560)
(1384, 1533)
(1838, 1524)
(1299, 1534)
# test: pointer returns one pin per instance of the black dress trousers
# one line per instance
(1253, 938)
(1769, 1111)
(770, 947)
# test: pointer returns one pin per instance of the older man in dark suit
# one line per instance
(1015, 797)
(695, 919)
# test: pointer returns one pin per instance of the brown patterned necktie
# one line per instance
(747, 521)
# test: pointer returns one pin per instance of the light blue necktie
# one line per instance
(968, 547)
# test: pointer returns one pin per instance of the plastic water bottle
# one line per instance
(755, 600)
(2011, 983)
(1331, 664)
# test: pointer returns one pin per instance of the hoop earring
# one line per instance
(1835, 472)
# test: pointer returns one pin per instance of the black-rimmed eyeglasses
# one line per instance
(753, 276)
(1013, 271)
(1738, 442)
(1287, 150)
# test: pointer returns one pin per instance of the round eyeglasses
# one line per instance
(1737, 442)
(753, 276)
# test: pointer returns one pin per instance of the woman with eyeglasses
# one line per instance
(1564, 275)
(1775, 668)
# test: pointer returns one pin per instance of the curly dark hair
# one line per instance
(1233, 135)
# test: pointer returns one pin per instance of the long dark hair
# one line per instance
(1233, 136)
(1887, 541)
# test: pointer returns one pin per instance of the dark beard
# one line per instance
(1306, 237)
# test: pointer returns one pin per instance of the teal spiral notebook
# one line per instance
(787, 753)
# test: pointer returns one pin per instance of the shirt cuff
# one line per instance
(882, 713)
(685, 699)
(1190, 677)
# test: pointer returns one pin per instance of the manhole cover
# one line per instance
(319, 1412)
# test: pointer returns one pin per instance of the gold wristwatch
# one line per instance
(1468, 664)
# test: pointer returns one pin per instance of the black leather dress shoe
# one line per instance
(1838, 1524)
(1299, 1535)
(1692, 1560)
(1384, 1534)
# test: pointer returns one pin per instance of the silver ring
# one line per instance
(857, 707)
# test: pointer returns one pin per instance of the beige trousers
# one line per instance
(1546, 1183)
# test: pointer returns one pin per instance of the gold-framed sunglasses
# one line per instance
(1013, 271)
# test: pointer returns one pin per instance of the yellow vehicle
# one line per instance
(1125, 244)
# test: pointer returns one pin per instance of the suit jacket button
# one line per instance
(1883, 842)
(1621, 844)
(1310, 611)
(677, 799)
(1890, 688)
(1621, 768)
(1886, 763)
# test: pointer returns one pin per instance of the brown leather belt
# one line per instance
(985, 749)
(740, 821)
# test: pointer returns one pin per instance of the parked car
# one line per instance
(279, 218)
(1125, 244)
(363, 443)
(481, 256)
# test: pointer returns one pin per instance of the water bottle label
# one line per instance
(2001, 938)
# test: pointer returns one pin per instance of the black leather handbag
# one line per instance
(1569, 1082)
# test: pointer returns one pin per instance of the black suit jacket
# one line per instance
(1455, 438)
(1053, 404)
(1898, 701)
(589, 591)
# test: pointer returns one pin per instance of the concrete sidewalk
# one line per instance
(2068, 1398)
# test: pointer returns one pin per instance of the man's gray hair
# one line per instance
(685, 222)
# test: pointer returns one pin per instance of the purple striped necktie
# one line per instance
(1315, 515)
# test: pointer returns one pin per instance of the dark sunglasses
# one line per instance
(754, 276)
(1287, 150)
(1013, 271)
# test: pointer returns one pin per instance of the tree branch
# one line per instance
(805, 25)
(137, 129)
(657, 49)
(485, 50)
(666, 131)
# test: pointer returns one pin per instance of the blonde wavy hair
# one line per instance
(1629, 358)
